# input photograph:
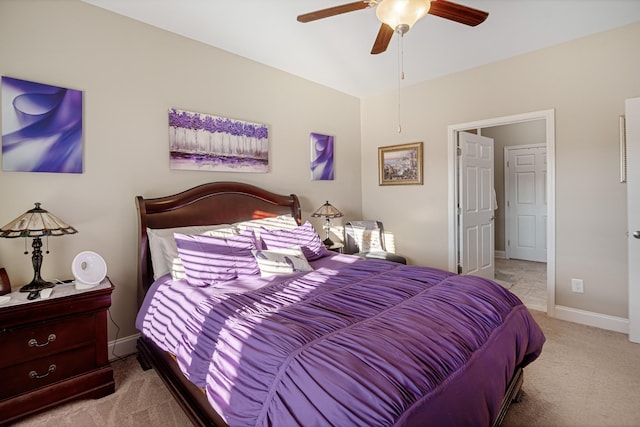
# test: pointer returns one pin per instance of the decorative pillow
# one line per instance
(164, 254)
(304, 236)
(210, 260)
(281, 261)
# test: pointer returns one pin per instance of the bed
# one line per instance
(342, 341)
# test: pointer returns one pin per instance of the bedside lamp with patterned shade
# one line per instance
(36, 223)
(327, 211)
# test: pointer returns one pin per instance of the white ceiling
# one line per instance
(335, 51)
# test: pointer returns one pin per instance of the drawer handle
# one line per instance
(34, 375)
(34, 343)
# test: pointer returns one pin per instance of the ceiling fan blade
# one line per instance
(332, 11)
(383, 39)
(457, 12)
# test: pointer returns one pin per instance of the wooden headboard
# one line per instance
(206, 204)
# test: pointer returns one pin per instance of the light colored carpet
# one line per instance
(584, 377)
(141, 399)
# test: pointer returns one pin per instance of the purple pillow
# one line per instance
(210, 260)
(304, 236)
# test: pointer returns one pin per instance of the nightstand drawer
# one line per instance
(37, 340)
(41, 372)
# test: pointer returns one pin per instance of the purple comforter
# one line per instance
(372, 344)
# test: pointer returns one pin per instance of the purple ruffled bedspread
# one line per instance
(372, 344)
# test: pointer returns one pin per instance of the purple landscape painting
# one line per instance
(41, 127)
(321, 157)
(210, 143)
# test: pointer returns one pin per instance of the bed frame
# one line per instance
(216, 203)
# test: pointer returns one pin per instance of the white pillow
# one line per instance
(282, 222)
(281, 261)
(164, 253)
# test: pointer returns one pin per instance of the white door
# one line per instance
(526, 202)
(476, 205)
(632, 117)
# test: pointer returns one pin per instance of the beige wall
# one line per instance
(586, 81)
(131, 74)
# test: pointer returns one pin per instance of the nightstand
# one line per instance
(54, 350)
(336, 247)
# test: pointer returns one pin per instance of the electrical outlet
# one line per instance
(577, 285)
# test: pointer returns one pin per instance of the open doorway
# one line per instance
(521, 214)
(493, 128)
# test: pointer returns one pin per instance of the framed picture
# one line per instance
(41, 127)
(321, 157)
(400, 164)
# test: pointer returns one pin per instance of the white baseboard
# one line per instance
(500, 254)
(122, 346)
(589, 318)
(542, 308)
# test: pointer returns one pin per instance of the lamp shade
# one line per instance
(327, 211)
(36, 222)
(402, 14)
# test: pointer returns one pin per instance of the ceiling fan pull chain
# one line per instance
(400, 73)
(401, 42)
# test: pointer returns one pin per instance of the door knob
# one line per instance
(636, 234)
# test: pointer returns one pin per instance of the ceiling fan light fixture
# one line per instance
(402, 14)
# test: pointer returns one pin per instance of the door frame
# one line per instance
(632, 144)
(452, 141)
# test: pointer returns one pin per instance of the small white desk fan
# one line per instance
(89, 269)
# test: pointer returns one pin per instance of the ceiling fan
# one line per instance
(400, 15)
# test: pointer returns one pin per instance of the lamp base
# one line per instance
(36, 285)
(328, 242)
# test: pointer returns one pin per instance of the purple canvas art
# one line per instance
(41, 127)
(321, 157)
(204, 142)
